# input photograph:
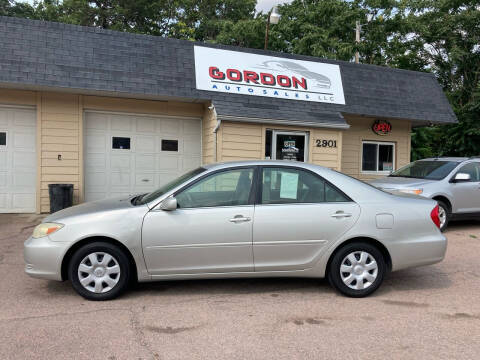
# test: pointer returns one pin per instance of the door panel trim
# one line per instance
(243, 243)
(290, 242)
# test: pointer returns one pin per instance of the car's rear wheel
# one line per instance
(357, 269)
(443, 215)
(99, 271)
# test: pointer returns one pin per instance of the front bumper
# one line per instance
(43, 258)
(418, 252)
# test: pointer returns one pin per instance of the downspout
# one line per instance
(215, 130)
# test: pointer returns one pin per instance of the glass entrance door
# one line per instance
(290, 145)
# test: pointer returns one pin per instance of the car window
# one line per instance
(426, 169)
(169, 186)
(283, 185)
(225, 188)
(473, 169)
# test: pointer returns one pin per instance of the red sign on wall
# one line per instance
(381, 127)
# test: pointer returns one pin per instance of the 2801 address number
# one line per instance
(326, 143)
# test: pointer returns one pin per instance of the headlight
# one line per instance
(45, 229)
(411, 191)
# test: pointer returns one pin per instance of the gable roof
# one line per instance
(47, 55)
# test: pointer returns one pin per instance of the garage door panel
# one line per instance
(18, 160)
(121, 122)
(99, 122)
(120, 179)
(145, 163)
(170, 127)
(169, 163)
(24, 118)
(191, 144)
(4, 115)
(95, 161)
(120, 162)
(23, 160)
(24, 141)
(23, 201)
(146, 125)
(95, 179)
(3, 160)
(190, 163)
(145, 144)
(191, 127)
(145, 166)
(3, 180)
(23, 179)
(145, 179)
(93, 195)
(95, 142)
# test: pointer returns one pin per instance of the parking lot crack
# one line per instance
(140, 335)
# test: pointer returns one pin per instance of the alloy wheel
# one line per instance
(442, 215)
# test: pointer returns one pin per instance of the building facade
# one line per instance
(116, 113)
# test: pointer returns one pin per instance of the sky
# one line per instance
(266, 5)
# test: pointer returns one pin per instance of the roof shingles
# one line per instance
(55, 55)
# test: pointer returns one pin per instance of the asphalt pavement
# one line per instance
(430, 312)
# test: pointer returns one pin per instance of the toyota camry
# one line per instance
(241, 219)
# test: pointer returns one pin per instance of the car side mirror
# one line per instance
(461, 177)
(169, 204)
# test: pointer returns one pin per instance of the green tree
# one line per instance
(444, 35)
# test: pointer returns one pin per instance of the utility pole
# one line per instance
(273, 17)
(267, 28)
(358, 28)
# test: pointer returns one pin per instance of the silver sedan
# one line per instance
(242, 219)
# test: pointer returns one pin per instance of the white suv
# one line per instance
(454, 182)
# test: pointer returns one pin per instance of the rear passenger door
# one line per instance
(296, 215)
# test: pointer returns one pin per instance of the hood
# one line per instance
(91, 207)
(392, 182)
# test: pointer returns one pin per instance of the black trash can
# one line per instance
(61, 196)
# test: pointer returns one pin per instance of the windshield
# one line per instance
(430, 170)
(143, 199)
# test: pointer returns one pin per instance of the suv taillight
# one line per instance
(434, 216)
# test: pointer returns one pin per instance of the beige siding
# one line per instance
(325, 156)
(246, 141)
(60, 116)
(359, 131)
(17, 97)
(209, 122)
(240, 141)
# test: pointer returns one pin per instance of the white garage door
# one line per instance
(128, 154)
(18, 160)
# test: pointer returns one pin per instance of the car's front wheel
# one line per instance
(99, 271)
(357, 269)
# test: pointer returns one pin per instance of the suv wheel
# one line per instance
(99, 271)
(357, 269)
(443, 215)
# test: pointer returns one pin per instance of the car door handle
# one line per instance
(341, 215)
(239, 219)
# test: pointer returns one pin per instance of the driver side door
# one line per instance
(209, 232)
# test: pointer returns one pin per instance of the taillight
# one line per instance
(435, 217)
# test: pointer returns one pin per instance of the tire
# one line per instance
(444, 206)
(105, 265)
(370, 282)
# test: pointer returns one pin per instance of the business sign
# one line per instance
(381, 127)
(259, 75)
